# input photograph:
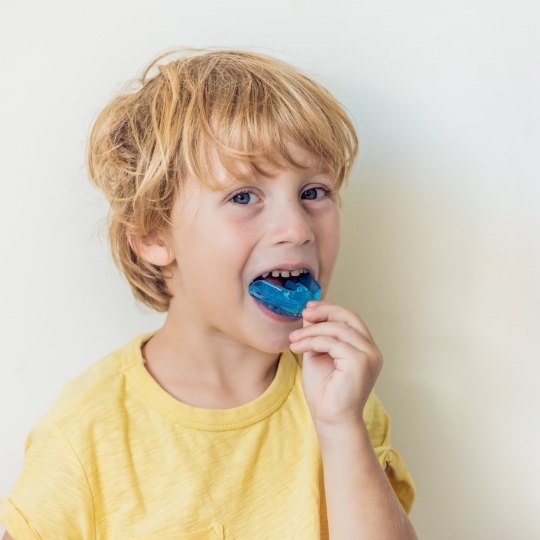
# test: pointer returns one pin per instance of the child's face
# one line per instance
(224, 239)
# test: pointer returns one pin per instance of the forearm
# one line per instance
(361, 503)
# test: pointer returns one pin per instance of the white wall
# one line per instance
(440, 257)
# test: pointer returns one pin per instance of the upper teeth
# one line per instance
(285, 273)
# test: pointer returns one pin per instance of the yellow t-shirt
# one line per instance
(118, 457)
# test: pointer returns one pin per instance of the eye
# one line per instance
(244, 198)
(312, 193)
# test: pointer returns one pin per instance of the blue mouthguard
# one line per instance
(289, 300)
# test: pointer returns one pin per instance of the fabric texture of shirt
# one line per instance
(118, 457)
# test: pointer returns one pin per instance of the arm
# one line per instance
(340, 366)
(7, 537)
(360, 500)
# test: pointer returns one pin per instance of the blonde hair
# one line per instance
(233, 105)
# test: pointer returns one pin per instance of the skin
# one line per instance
(214, 330)
(219, 242)
(341, 363)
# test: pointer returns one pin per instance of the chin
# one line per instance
(274, 346)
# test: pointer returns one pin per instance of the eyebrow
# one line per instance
(247, 182)
(232, 183)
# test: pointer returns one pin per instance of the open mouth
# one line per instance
(285, 293)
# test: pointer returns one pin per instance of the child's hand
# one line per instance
(341, 364)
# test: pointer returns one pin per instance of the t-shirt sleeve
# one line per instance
(51, 498)
(377, 422)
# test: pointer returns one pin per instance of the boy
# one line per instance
(232, 420)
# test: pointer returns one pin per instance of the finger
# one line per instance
(324, 344)
(339, 330)
(344, 355)
(309, 305)
(323, 311)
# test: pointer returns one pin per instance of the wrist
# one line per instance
(352, 433)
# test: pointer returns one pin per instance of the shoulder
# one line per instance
(96, 391)
(64, 452)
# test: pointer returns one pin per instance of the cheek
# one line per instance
(329, 244)
(331, 235)
(331, 254)
(223, 248)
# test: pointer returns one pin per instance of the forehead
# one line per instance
(231, 170)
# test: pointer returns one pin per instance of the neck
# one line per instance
(184, 356)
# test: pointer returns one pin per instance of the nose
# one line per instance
(291, 225)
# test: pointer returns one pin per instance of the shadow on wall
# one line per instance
(414, 258)
(406, 268)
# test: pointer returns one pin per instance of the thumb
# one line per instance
(306, 322)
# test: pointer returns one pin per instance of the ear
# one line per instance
(152, 248)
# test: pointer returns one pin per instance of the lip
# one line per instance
(287, 266)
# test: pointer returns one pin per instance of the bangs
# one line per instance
(243, 110)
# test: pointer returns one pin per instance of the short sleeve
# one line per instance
(51, 497)
(377, 422)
